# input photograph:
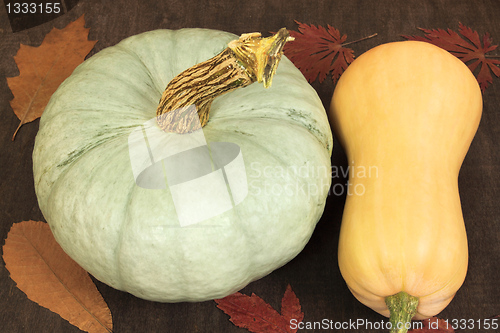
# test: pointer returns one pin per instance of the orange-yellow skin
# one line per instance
(405, 113)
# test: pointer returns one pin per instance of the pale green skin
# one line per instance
(129, 237)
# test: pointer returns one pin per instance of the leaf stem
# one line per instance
(359, 40)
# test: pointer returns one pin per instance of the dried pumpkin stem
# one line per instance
(402, 307)
(245, 60)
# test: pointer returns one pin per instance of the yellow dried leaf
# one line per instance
(42, 69)
(49, 277)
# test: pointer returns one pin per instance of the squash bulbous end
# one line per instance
(402, 307)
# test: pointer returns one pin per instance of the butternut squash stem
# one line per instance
(245, 60)
(402, 307)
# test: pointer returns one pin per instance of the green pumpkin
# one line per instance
(130, 236)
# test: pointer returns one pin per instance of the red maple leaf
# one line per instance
(254, 314)
(317, 51)
(434, 325)
(470, 51)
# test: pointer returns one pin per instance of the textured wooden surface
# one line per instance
(313, 274)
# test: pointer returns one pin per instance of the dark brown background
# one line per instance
(314, 274)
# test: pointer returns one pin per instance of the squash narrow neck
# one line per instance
(246, 60)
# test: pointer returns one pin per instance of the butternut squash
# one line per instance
(406, 111)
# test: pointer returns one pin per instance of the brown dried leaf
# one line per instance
(291, 309)
(318, 51)
(52, 279)
(42, 69)
(254, 314)
(468, 49)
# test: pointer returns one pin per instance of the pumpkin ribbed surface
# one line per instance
(128, 236)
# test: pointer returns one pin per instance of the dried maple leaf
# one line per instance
(42, 69)
(49, 277)
(470, 51)
(254, 314)
(318, 51)
(290, 308)
(434, 325)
